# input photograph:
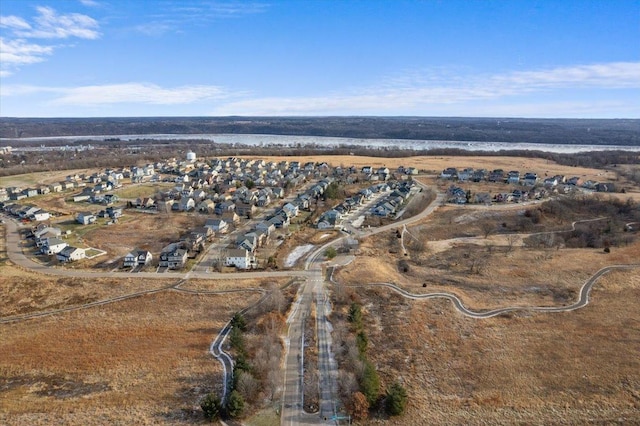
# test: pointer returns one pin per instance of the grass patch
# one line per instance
(142, 190)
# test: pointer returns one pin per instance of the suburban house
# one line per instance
(114, 212)
(53, 246)
(290, 209)
(174, 258)
(42, 233)
(86, 218)
(137, 257)
(530, 179)
(449, 173)
(219, 226)
(245, 210)
(513, 177)
(69, 254)
(40, 215)
(240, 258)
(207, 206)
(145, 203)
(231, 217)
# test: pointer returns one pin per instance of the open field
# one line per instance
(26, 292)
(40, 178)
(145, 231)
(142, 190)
(140, 361)
(571, 368)
(525, 277)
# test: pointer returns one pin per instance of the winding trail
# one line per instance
(583, 298)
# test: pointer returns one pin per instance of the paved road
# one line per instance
(15, 254)
(316, 290)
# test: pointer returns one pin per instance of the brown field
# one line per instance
(572, 368)
(146, 231)
(484, 273)
(40, 178)
(26, 292)
(140, 361)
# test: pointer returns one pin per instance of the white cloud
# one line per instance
(16, 50)
(89, 3)
(14, 22)
(600, 90)
(608, 75)
(154, 29)
(14, 53)
(418, 92)
(142, 93)
(134, 93)
(49, 24)
(179, 16)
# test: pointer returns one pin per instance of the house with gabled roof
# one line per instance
(173, 258)
(219, 226)
(137, 257)
(70, 254)
(240, 258)
(53, 246)
(86, 218)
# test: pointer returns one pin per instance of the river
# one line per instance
(332, 142)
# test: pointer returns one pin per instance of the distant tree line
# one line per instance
(127, 154)
(551, 131)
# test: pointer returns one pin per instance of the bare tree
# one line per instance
(247, 386)
(512, 241)
(487, 227)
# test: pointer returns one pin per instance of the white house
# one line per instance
(240, 258)
(85, 218)
(217, 225)
(69, 254)
(41, 215)
(137, 257)
(290, 210)
(53, 246)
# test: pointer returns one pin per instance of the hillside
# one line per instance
(552, 131)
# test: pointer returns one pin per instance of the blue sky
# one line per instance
(80, 58)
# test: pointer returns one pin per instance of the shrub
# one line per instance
(396, 399)
(211, 407)
(238, 321)
(370, 383)
(359, 406)
(362, 342)
(331, 252)
(355, 315)
(236, 339)
(235, 405)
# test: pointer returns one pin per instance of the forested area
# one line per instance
(549, 131)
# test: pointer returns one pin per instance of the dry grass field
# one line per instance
(26, 292)
(145, 231)
(140, 361)
(40, 178)
(571, 368)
